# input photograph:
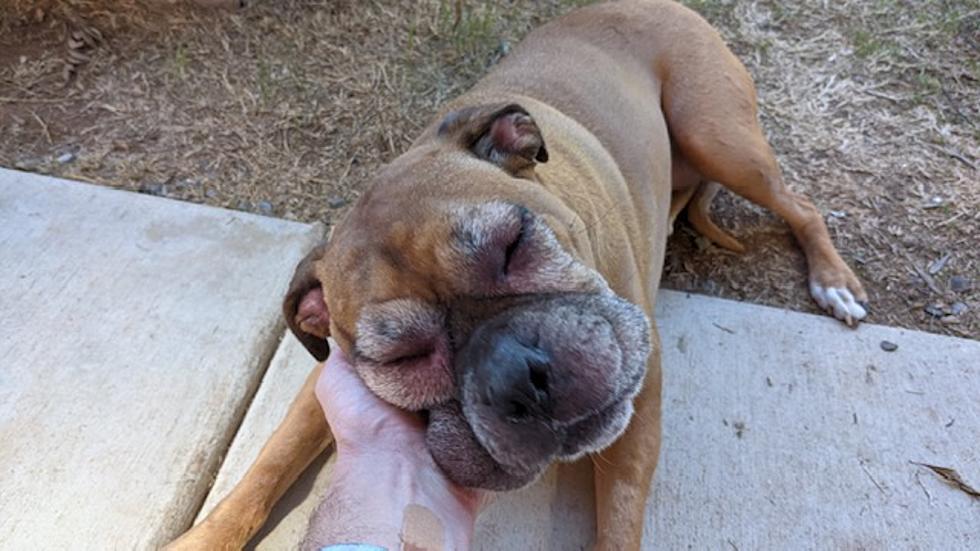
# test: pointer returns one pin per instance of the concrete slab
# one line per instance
(289, 368)
(790, 431)
(133, 330)
(781, 431)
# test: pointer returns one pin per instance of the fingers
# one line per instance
(338, 374)
(358, 418)
(344, 397)
(339, 384)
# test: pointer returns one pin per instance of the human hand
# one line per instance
(362, 423)
(386, 488)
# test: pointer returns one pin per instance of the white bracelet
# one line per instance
(352, 547)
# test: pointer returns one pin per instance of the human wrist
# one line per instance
(407, 472)
(404, 488)
(380, 441)
(394, 433)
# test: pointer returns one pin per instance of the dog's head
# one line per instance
(459, 286)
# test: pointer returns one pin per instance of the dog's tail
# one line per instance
(699, 215)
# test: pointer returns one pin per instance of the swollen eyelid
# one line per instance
(396, 329)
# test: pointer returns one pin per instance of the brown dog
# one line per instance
(497, 273)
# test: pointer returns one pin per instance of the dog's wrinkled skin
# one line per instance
(501, 274)
(485, 272)
(599, 349)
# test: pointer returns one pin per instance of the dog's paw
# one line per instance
(847, 303)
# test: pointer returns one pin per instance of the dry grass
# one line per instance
(286, 108)
(872, 108)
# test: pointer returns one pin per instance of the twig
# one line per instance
(956, 156)
(955, 106)
(858, 170)
(44, 127)
(949, 220)
(919, 482)
(458, 16)
(882, 96)
(931, 283)
(871, 478)
(8, 99)
(723, 328)
(350, 164)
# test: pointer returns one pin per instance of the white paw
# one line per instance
(839, 301)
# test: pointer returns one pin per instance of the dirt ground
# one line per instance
(285, 108)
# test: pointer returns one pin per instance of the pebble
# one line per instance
(702, 243)
(153, 189)
(889, 346)
(66, 158)
(934, 310)
(265, 207)
(336, 201)
(711, 287)
(211, 193)
(960, 284)
(958, 308)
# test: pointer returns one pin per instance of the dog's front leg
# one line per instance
(623, 471)
(300, 438)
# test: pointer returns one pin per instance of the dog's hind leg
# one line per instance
(298, 440)
(691, 192)
(698, 214)
(710, 105)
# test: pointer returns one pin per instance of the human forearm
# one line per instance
(388, 499)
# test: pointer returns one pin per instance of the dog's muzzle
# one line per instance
(552, 380)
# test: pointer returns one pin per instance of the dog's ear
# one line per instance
(305, 309)
(504, 135)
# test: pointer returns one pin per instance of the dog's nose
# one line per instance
(514, 379)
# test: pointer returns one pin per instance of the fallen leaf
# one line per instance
(951, 477)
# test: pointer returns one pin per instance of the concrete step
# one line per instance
(133, 331)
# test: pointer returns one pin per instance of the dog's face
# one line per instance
(458, 286)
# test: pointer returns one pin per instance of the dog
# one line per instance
(501, 273)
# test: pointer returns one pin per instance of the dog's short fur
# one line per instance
(502, 272)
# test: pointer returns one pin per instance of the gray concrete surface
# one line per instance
(782, 430)
(789, 431)
(133, 329)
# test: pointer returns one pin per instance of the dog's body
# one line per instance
(579, 148)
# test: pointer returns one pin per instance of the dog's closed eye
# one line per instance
(398, 331)
(491, 240)
(402, 352)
